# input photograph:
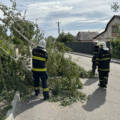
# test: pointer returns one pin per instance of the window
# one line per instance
(115, 29)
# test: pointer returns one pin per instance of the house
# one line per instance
(112, 30)
(86, 36)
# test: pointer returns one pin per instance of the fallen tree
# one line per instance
(64, 75)
(15, 71)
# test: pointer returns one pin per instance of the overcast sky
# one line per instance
(74, 15)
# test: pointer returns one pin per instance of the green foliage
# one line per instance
(26, 28)
(90, 74)
(62, 47)
(83, 73)
(116, 48)
(65, 37)
(64, 75)
(14, 69)
(3, 31)
(14, 72)
(67, 99)
(59, 46)
(14, 77)
(4, 110)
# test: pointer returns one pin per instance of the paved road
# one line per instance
(101, 105)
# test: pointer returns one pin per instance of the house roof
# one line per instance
(115, 16)
(86, 35)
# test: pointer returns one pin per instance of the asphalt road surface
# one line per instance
(101, 104)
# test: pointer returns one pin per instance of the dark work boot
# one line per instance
(100, 85)
(37, 92)
(104, 86)
(46, 95)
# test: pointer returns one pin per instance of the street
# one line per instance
(101, 104)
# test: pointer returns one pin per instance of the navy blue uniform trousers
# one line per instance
(43, 77)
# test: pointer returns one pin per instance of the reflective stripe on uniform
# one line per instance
(97, 58)
(95, 53)
(103, 69)
(104, 59)
(45, 89)
(39, 69)
(38, 58)
(105, 78)
(37, 88)
(105, 54)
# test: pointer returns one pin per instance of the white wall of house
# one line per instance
(107, 36)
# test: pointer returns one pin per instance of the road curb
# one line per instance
(90, 56)
(81, 54)
(11, 112)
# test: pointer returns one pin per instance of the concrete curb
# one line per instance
(90, 56)
(10, 113)
(81, 54)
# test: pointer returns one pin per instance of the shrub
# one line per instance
(83, 73)
(65, 37)
(116, 48)
(64, 75)
(14, 72)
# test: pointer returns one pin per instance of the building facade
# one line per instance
(86, 36)
(112, 30)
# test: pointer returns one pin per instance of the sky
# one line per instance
(73, 15)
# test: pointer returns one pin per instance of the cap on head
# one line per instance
(42, 43)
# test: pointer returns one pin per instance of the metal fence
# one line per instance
(83, 47)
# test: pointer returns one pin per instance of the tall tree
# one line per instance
(65, 37)
(14, 72)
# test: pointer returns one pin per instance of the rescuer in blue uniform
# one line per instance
(39, 59)
(104, 58)
(95, 56)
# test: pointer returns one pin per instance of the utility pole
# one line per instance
(25, 14)
(58, 23)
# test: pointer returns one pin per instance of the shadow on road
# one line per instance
(95, 100)
(31, 102)
(91, 81)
